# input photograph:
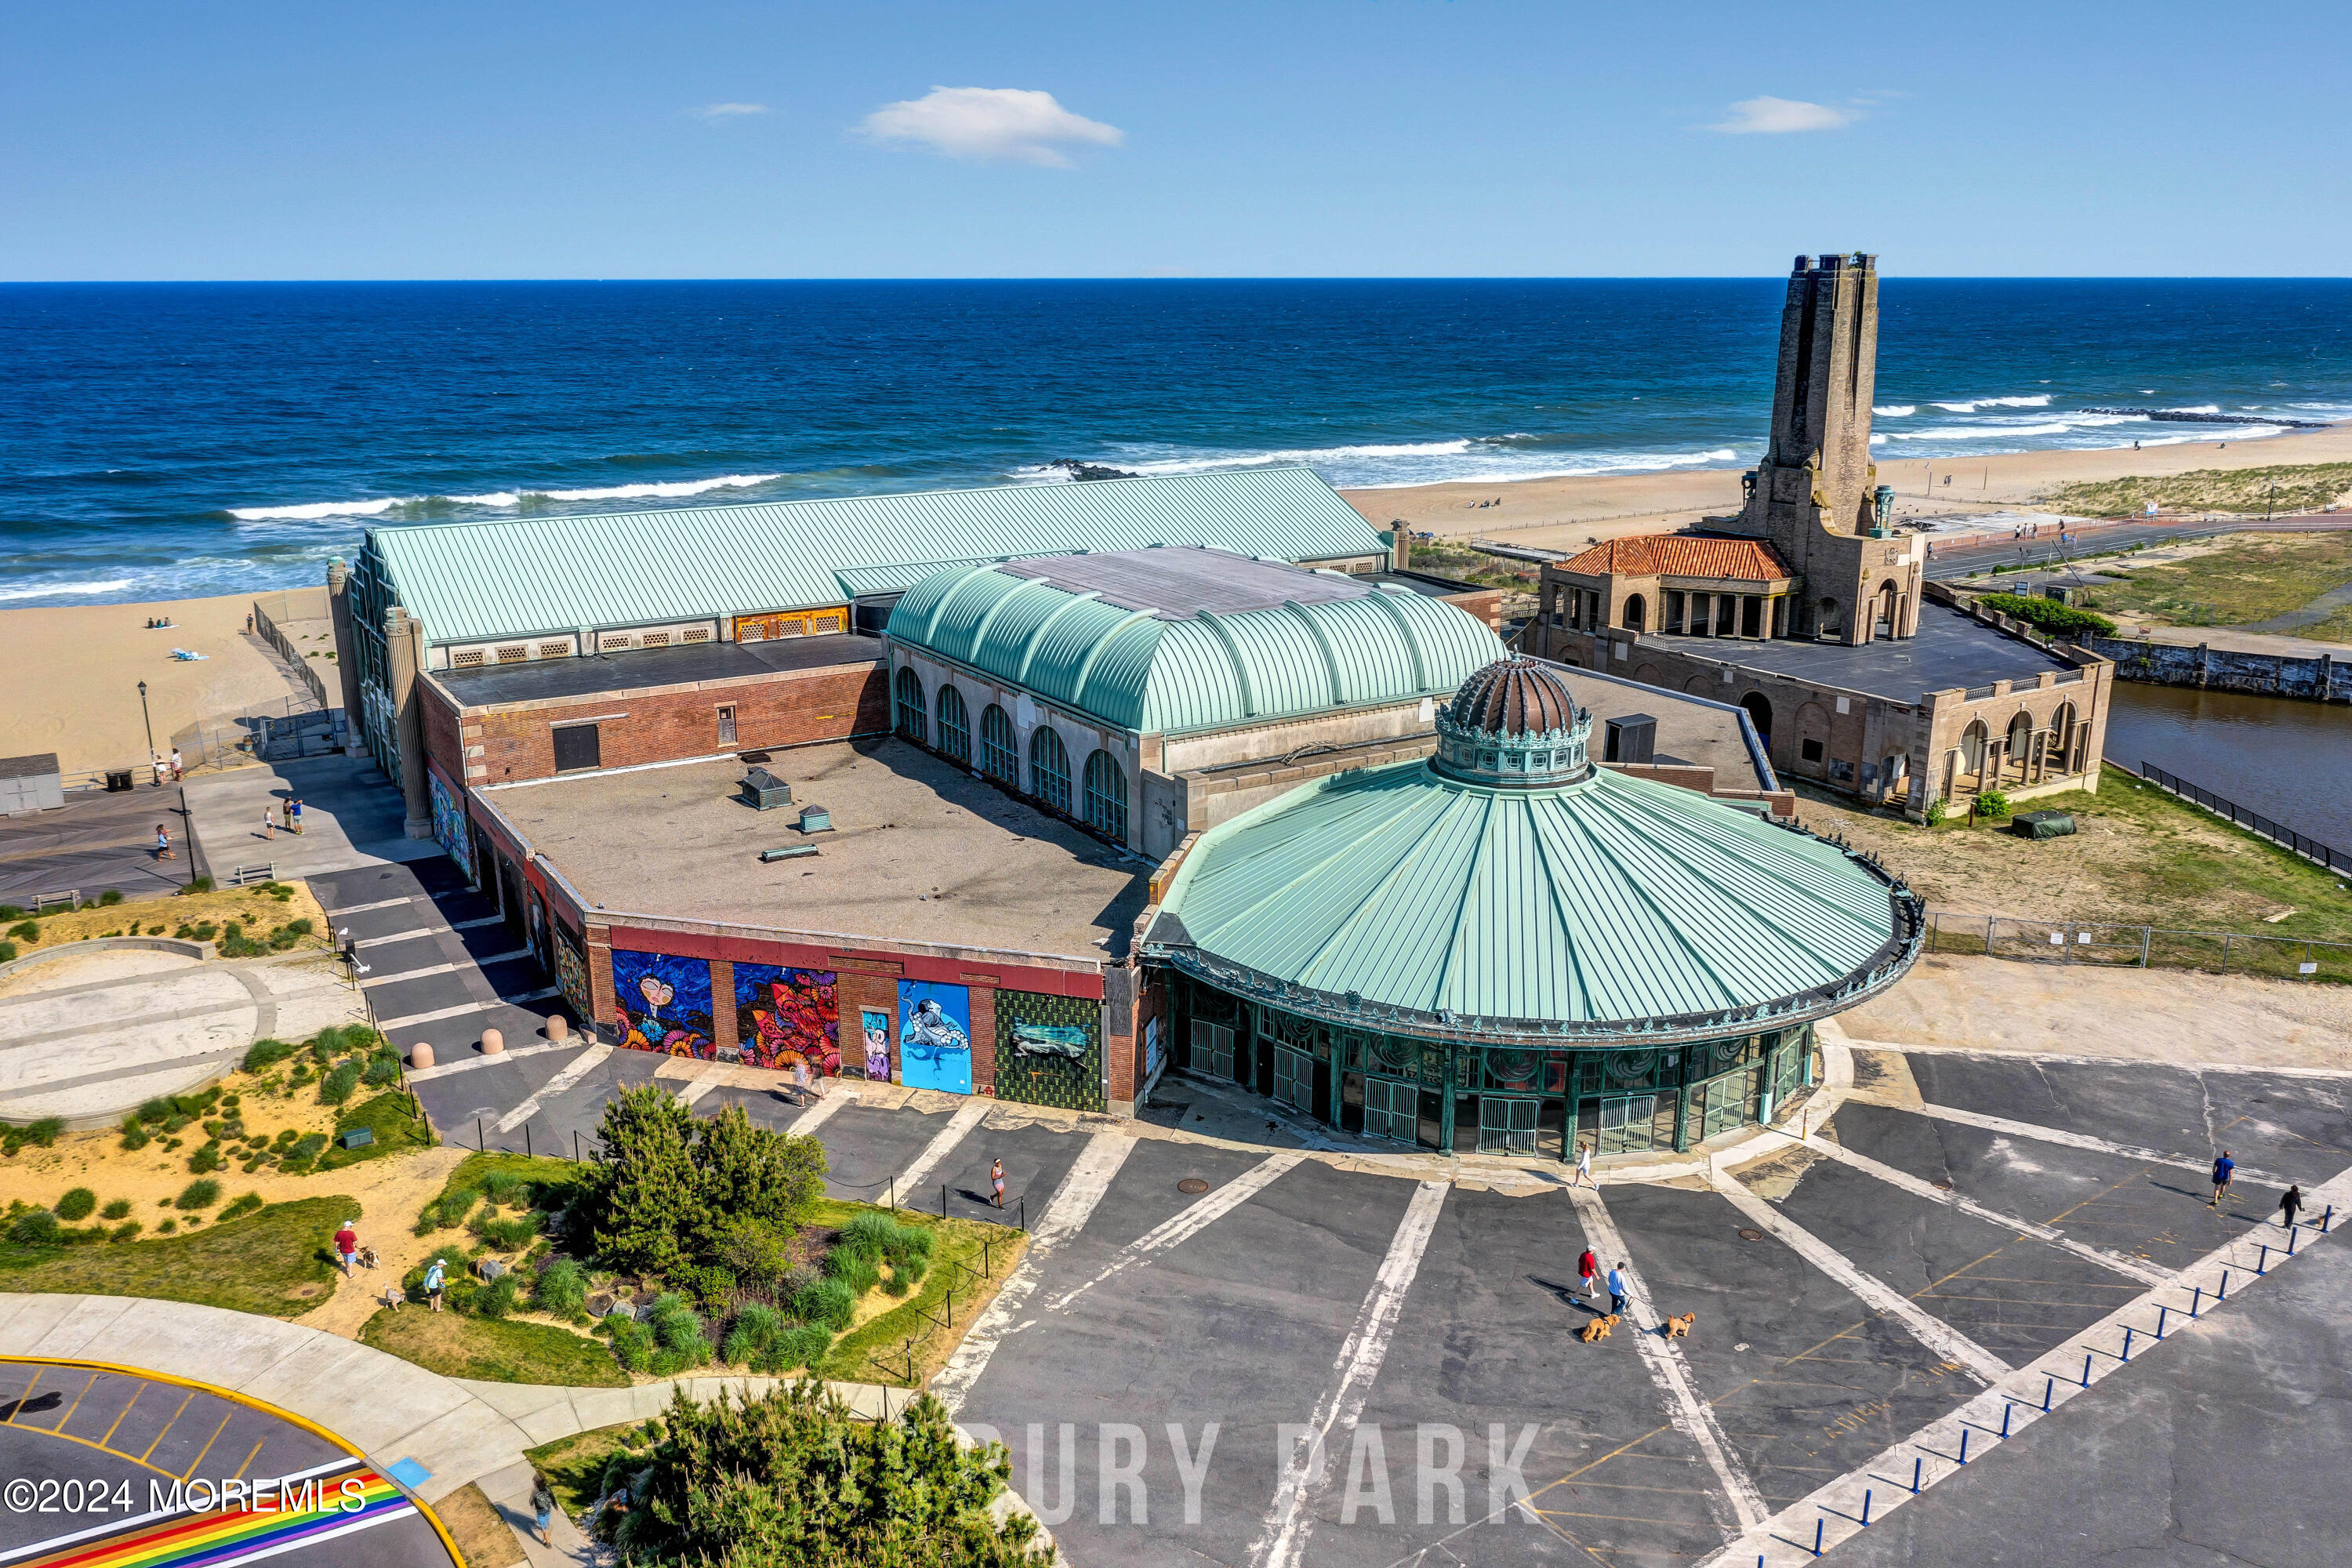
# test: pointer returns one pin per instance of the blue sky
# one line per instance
(1353, 138)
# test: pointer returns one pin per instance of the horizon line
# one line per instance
(1201, 277)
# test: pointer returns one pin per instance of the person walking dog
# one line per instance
(435, 1283)
(2223, 1168)
(347, 1248)
(1617, 1288)
(2290, 1205)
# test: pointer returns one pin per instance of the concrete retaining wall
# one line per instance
(2323, 678)
(196, 950)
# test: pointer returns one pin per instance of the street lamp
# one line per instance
(149, 721)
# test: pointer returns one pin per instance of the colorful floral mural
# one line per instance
(662, 1003)
(785, 1017)
(449, 826)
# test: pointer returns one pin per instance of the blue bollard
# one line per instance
(2005, 1410)
(2196, 1299)
(1866, 1507)
(2263, 1263)
(2046, 1393)
(1964, 1445)
(2086, 1369)
(1917, 1466)
(2221, 1292)
(1819, 1525)
(2128, 1334)
(2160, 1323)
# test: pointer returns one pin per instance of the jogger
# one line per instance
(2223, 1168)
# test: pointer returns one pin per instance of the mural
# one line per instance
(449, 826)
(934, 1036)
(877, 1025)
(1048, 1050)
(662, 1003)
(572, 970)
(788, 1017)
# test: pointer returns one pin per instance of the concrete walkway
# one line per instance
(351, 816)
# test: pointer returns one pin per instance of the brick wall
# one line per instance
(440, 721)
(510, 741)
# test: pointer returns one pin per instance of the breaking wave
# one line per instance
(497, 499)
(2038, 400)
(59, 590)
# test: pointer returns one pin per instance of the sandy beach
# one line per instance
(73, 674)
(1564, 514)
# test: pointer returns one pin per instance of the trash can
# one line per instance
(116, 780)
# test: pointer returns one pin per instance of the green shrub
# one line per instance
(244, 1205)
(26, 930)
(35, 1227)
(341, 1084)
(301, 927)
(380, 1071)
(167, 1227)
(204, 931)
(506, 1234)
(679, 1332)
(2048, 614)
(263, 1054)
(454, 1207)
(633, 1344)
(306, 1149)
(1935, 812)
(758, 1254)
(499, 1187)
(827, 1301)
(11, 911)
(118, 1209)
(860, 1271)
(207, 1157)
(112, 896)
(198, 1195)
(561, 1289)
(499, 1296)
(78, 1204)
(752, 1341)
(125, 1231)
(804, 1346)
(1992, 804)
(42, 1134)
(157, 1110)
(7, 951)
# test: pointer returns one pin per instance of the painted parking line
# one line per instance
(409, 936)
(572, 1073)
(1926, 1327)
(704, 1082)
(815, 1117)
(1691, 1415)
(966, 1118)
(476, 923)
(1188, 1222)
(2146, 1273)
(426, 1074)
(1282, 1543)
(439, 1013)
(376, 980)
(1073, 1204)
(2002, 1124)
(379, 904)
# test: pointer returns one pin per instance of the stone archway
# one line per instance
(1759, 713)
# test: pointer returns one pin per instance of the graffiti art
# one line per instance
(571, 969)
(877, 1025)
(662, 1003)
(788, 1017)
(934, 1036)
(1048, 1050)
(450, 825)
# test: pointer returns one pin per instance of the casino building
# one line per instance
(1490, 947)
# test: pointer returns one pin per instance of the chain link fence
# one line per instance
(2111, 945)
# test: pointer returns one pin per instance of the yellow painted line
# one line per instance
(207, 1448)
(76, 1404)
(100, 1448)
(242, 1468)
(342, 1443)
(26, 1395)
(135, 1393)
(169, 1425)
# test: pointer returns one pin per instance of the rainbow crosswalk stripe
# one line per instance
(218, 1539)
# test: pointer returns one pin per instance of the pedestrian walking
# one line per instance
(996, 1181)
(2290, 1205)
(2223, 1168)
(543, 1507)
(1583, 1166)
(163, 842)
(436, 1281)
(1617, 1290)
(1589, 1268)
(347, 1246)
(177, 770)
(268, 823)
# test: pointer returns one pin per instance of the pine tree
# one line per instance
(747, 1172)
(648, 1197)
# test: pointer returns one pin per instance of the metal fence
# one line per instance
(2131, 946)
(2253, 822)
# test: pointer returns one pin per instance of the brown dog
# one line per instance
(1597, 1328)
(1680, 1328)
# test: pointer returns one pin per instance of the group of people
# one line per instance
(293, 823)
(2225, 1170)
(163, 623)
(168, 770)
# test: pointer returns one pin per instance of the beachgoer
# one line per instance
(435, 1283)
(163, 842)
(294, 814)
(1617, 1290)
(543, 1507)
(347, 1248)
(268, 823)
(2223, 1168)
(2290, 1205)
(177, 770)
(155, 761)
(248, 626)
(1583, 1166)
(1588, 1268)
(996, 1181)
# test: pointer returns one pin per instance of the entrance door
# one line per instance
(1429, 1126)
(1213, 1049)
(1391, 1109)
(1625, 1123)
(1507, 1124)
(1294, 1077)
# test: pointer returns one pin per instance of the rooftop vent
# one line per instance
(764, 790)
(815, 819)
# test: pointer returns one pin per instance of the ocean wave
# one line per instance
(1896, 410)
(1977, 432)
(2038, 400)
(2199, 408)
(499, 499)
(47, 590)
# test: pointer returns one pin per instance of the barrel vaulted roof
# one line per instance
(1160, 641)
(476, 581)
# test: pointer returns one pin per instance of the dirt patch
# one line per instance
(1775, 1176)
(2164, 1015)
(482, 1537)
(259, 913)
(392, 1193)
(1886, 1075)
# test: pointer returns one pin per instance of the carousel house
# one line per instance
(1483, 950)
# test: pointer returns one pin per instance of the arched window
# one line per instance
(1634, 610)
(1049, 769)
(2061, 731)
(911, 720)
(2021, 736)
(955, 725)
(997, 758)
(1107, 796)
(1972, 747)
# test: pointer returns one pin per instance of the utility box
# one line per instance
(358, 1138)
(1632, 739)
(815, 819)
(764, 790)
(2042, 825)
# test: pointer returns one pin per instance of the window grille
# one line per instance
(997, 757)
(1049, 769)
(1107, 796)
(913, 722)
(955, 725)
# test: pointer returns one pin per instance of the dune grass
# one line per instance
(273, 1262)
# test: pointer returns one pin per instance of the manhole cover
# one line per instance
(1747, 1234)
(1191, 1185)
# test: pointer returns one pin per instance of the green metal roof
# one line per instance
(1616, 902)
(1159, 671)
(475, 581)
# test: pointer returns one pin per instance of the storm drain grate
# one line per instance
(1191, 1185)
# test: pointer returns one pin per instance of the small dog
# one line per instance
(392, 1298)
(1598, 1328)
(1680, 1328)
(367, 1258)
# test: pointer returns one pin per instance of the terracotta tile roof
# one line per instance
(1681, 555)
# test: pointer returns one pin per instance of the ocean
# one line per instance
(161, 441)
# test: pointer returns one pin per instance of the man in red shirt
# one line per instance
(1588, 1266)
(347, 1246)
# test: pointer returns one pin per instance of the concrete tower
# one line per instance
(1814, 494)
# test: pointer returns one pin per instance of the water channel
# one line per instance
(2290, 761)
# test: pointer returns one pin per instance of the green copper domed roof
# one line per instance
(1614, 907)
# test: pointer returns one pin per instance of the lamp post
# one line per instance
(149, 721)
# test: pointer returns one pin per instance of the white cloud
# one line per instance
(718, 111)
(1775, 116)
(990, 124)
